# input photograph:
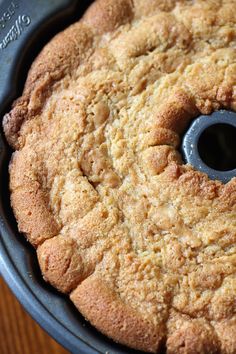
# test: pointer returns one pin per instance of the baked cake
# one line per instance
(144, 245)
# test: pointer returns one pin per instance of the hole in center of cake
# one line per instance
(217, 147)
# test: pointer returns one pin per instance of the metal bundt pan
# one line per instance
(36, 21)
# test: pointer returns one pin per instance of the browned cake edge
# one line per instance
(103, 308)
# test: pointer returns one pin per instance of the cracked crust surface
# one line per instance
(144, 244)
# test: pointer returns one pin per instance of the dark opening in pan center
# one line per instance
(217, 146)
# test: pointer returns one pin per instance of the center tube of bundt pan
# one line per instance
(209, 145)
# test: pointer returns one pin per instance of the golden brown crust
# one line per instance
(34, 219)
(192, 336)
(60, 263)
(176, 113)
(29, 201)
(226, 331)
(121, 323)
(107, 15)
(57, 59)
(98, 185)
(141, 8)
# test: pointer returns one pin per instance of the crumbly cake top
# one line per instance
(144, 244)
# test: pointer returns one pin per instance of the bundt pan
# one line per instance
(25, 26)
